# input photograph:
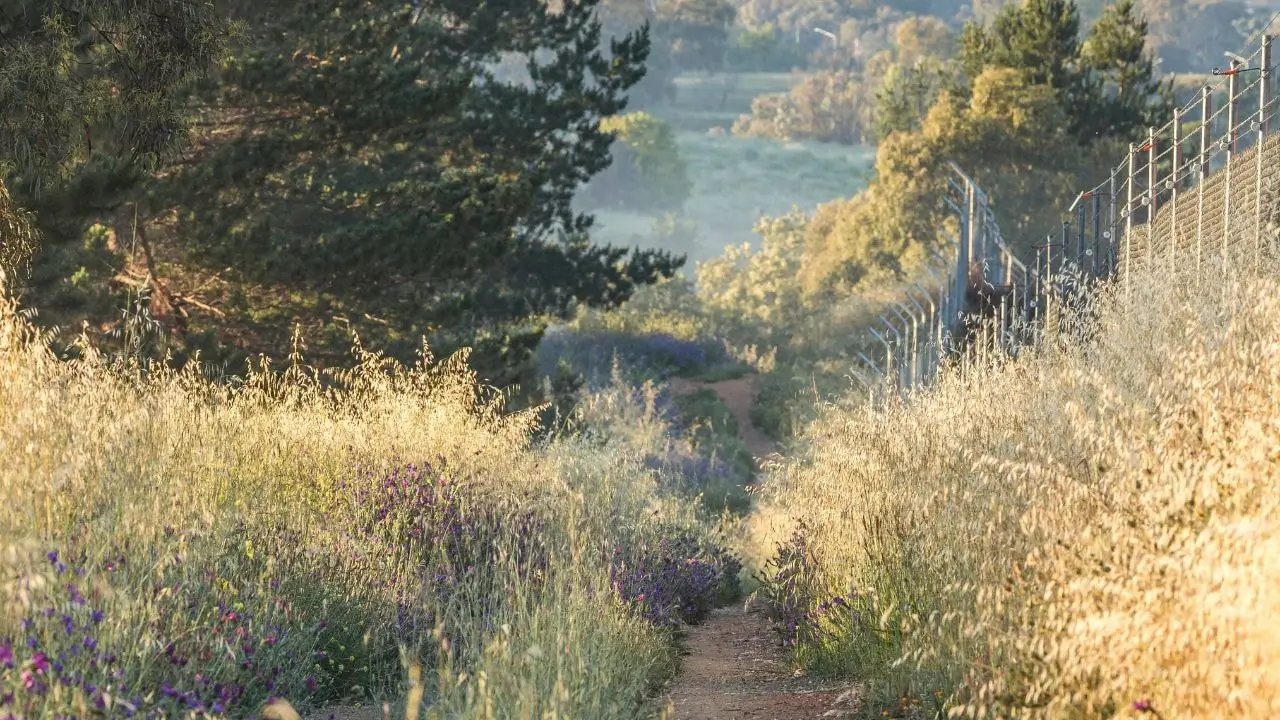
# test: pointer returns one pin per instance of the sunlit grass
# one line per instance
(1090, 532)
(178, 547)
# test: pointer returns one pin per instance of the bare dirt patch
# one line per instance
(737, 395)
(736, 668)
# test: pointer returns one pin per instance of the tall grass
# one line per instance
(177, 547)
(1091, 531)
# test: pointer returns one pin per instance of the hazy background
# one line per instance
(813, 72)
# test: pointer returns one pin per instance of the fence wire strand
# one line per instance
(1178, 199)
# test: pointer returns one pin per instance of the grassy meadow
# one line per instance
(177, 547)
(736, 182)
(1090, 531)
(185, 543)
(704, 101)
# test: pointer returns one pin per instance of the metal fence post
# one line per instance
(962, 257)
(915, 351)
(1265, 85)
(1206, 121)
(1232, 102)
(974, 224)
(1149, 198)
(1065, 246)
(928, 365)
(1264, 100)
(1095, 206)
(1050, 279)
(888, 352)
(1153, 176)
(1175, 175)
(1111, 225)
(908, 330)
(1080, 218)
(1037, 290)
(1063, 260)
(1128, 219)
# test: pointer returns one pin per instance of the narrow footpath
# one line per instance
(735, 666)
(737, 394)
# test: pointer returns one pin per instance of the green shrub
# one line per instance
(648, 174)
(834, 106)
(764, 49)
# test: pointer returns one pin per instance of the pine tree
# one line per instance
(1106, 85)
(905, 95)
(1040, 37)
(376, 156)
(1122, 75)
(91, 96)
(79, 77)
(698, 33)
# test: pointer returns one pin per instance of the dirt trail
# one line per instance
(736, 668)
(737, 394)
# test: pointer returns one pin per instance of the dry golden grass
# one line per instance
(1089, 532)
(192, 494)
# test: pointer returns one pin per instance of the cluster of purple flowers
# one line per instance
(695, 470)
(788, 588)
(664, 405)
(675, 582)
(681, 354)
(592, 353)
(60, 647)
(458, 541)
(219, 668)
(442, 522)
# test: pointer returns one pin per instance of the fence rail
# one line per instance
(1201, 188)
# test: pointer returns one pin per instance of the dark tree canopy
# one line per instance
(375, 156)
(91, 96)
(100, 76)
(1122, 74)
(698, 32)
(375, 153)
(1105, 80)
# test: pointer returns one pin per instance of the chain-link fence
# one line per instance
(1201, 189)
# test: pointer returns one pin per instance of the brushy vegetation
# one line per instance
(749, 310)
(177, 546)
(1087, 532)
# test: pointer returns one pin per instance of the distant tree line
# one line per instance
(1032, 104)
